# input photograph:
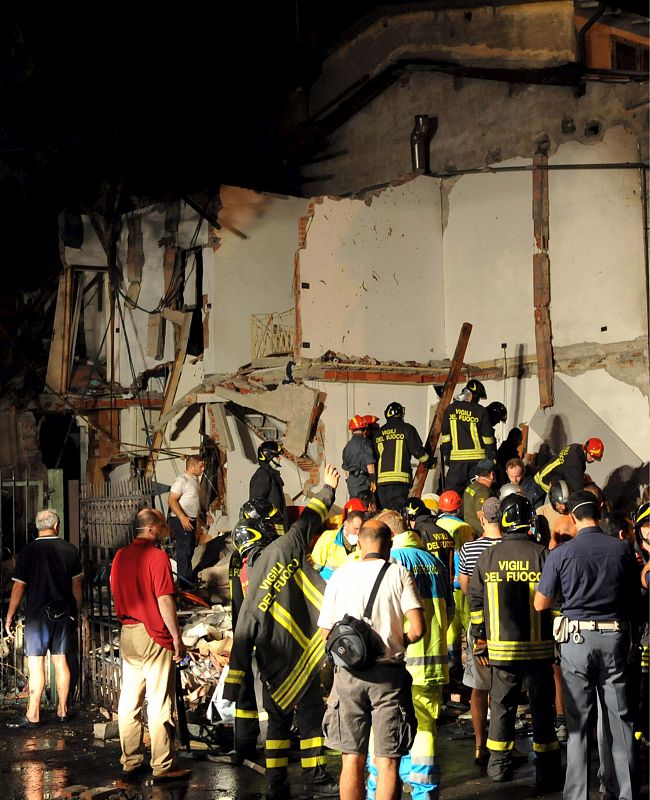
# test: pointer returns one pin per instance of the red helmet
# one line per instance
(449, 501)
(358, 423)
(353, 504)
(594, 447)
(371, 419)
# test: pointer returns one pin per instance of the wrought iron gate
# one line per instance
(106, 514)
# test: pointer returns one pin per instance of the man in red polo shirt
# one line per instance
(150, 643)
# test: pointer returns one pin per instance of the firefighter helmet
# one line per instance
(394, 410)
(559, 493)
(515, 513)
(259, 508)
(413, 508)
(449, 501)
(509, 488)
(594, 447)
(267, 451)
(431, 502)
(641, 519)
(497, 412)
(477, 389)
(354, 504)
(358, 423)
(249, 533)
(371, 419)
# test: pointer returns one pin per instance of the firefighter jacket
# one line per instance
(280, 612)
(267, 483)
(569, 466)
(396, 443)
(501, 592)
(436, 540)
(466, 434)
(330, 552)
(460, 532)
(427, 660)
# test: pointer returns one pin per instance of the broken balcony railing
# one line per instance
(272, 334)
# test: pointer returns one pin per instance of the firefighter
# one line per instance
(396, 443)
(251, 535)
(497, 413)
(570, 465)
(435, 539)
(449, 520)
(426, 660)
(266, 481)
(358, 458)
(517, 642)
(467, 436)
(278, 619)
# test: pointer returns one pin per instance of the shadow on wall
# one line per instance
(625, 485)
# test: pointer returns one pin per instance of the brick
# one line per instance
(69, 792)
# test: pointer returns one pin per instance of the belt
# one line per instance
(596, 625)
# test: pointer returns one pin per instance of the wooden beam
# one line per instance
(446, 397)
(170, 389)
(59, 358)
(542, 275)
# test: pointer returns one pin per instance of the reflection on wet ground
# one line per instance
(37, 765)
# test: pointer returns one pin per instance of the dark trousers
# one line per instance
(247, 722)
(309, 717)
(392, 495)
(185, 542)
(459, 475)
(505, 691)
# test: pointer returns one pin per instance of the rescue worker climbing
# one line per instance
(278, 619)
(358, 458)
(570, 465)
(266, 481)
(426, 660)
(467, 436)
(418, 517)
(396, 443)
(517, 642)
(449, 520)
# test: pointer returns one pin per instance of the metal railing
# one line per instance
(272, 334)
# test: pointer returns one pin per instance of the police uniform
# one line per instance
(396, 443)
(520, 645)
(598, 579)
(473, 498)
(568, 466)
(467, 437)
(278, 618)
(357, 454)
(427, 664)
(267, 483)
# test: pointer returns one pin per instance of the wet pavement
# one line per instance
(38, 764)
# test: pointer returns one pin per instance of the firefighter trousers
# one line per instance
(506, 688)
(392, 495)
(309, 717)
(249, 723)
(459, 474)
(459, 622)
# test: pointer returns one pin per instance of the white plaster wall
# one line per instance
(91, 253)
(596, 244)
(488, 263)
(251, 272)
(374, 270)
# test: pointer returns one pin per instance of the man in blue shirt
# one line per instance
(597, 578)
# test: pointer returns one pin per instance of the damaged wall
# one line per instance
(374, 275)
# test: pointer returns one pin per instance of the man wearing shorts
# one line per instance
(379, 697)
(48, 571)
(476, 676)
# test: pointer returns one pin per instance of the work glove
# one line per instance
(481, 652)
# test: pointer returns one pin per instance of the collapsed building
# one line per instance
(458, 164)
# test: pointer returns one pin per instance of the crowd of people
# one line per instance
(516, 580)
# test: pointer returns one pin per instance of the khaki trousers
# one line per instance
(147, 671)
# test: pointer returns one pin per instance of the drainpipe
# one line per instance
(582, 33)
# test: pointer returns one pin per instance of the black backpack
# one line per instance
(352, 643)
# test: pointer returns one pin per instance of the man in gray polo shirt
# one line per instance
(379, 697)
(597, 577)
